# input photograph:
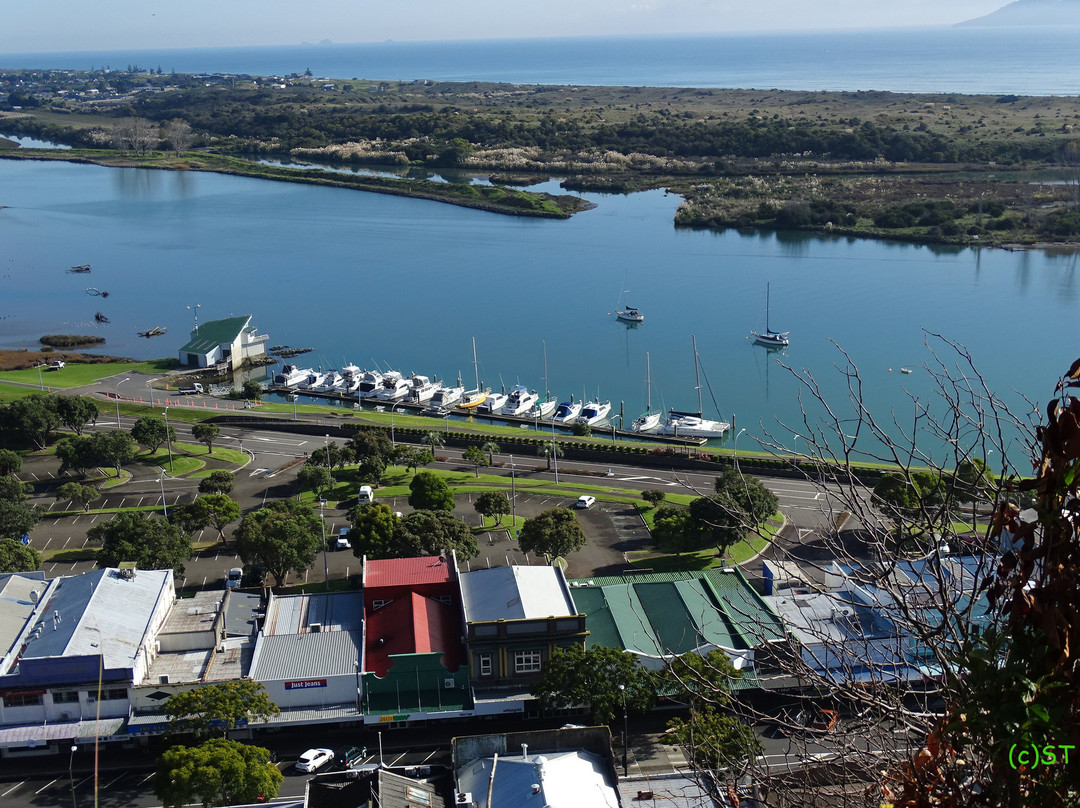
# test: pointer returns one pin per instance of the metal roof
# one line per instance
(291, 614)
(19, 596)
(103, 612)
(565, 780)
(305, 656)
(408, 571)
(213, 333)
(515, 593)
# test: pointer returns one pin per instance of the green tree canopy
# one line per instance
(476, 456)
(413, 458)
(331, 455)
(492, 503)
(218, 481)
(151, 542)
(18, 518)
(10, 462)
(654, 496)
(75, 412)
(219, 707)
(114, 448)
(371, 469)
(13, 490)
(372, 443)
(315, 478)
(217, 772)
(283, 537)
(555, 532)
(18, 557)
(152, 433)
(30, 419)
(217, 510)
(430, 493)
(78, 493)
(574, 677)
(206, 433)
(372, 532)
(719, 520)
(428, 533)
(754, 500)
(676, 529)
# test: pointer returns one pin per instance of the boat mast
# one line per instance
(547, 392)
(476, 367)
(697, 377)
(648, 383)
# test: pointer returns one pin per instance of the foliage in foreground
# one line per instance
(217, 772)
(219, 707)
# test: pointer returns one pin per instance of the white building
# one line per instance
(232, 341)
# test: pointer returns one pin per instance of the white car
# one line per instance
(343, 540)
(314, 759)
(585, 501)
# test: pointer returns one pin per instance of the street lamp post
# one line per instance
(168, 440)
(292, 397)
(322, 525)
(625, 733)
(794, 453)
(392, 441)
(41, 380)
(196, 308)
(513, 495)
(736, 448)
(613, 428)
(555, 459)
(118, 400)
(164, 507)
(71, 776)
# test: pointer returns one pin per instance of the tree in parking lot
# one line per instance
(429, 492)
(217, 772)
(75, 412)
(30, 419)
(476, 456)
(206, 433)
(218, 708)
(675, 529)
(492, 503)
(315, 478)
(428, 533)
(218, 482)
(152, 433)
(216, 510)
(372, 532)
(555, 532)
(283, 537)
(412, 458)
(18, 557)
(149, 541)
(654, 496)
(10, 462)
(371, 469)
(78, 493)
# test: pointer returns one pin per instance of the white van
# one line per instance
(366, 495)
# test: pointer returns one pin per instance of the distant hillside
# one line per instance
(1032, 12)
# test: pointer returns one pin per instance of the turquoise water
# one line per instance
(1033, 61)
(406, 283)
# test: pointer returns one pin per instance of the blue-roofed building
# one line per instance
(82, 642)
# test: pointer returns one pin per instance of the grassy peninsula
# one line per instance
(945, 169)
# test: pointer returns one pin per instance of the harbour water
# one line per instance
(403, 283)
(1036, 60)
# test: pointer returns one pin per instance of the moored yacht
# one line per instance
(493, 403)
(692, 425)
(445, 397)
(291, 376)
(520, 400)
(394, 387)
(542, 409)
(370, 384)
(593, 412)
(421, 389)
(568, 411)
(332, 380)
(315, 379)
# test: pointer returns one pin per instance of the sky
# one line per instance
(78, 25)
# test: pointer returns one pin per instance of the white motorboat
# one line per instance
(567, 412)
(370, 384)
(315, 379)
(493, 403)
(351, 371)
(394, 387)
(648, 421)
(542, 409)
(445, 397)
(594, 412)
(421, 389)
(768, 337)
(331, 382)
(349, 385)
(630, 314)
(692, 424)
(520, 400)
(291, 376)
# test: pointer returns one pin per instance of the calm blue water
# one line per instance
(1033, 61)
(406, 283)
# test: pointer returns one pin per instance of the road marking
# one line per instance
(45, 786)
(121, 777)
(122, 501)
(76, 519)
(21, 782)
(430, 755)
(94, 519)
(146, 778)
(399, 757)
(257, 471)
(657, 480)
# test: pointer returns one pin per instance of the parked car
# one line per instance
(342, 542)
(233, 579)
(349, 756)
(365, 496)
(585, 501)
(56, 364)
(314, 759)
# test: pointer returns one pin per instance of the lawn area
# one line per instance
(706, 558)
(75, 374)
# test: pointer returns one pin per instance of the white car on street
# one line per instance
(314, 759)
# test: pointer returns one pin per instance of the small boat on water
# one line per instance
(692, 424)
(314, 379)
(93, 291)
(101, 318)
(80, 269)
(421, 388)
(567, 412)
(520, 400)
(630, 314)
(471, 399)
(542, 408)
(649, 420)
(446, 397)
(292, 376)
(768, 337)
(156, 331)
(594, 412)
(394, 387)
(493, 403)
(370, 384)
(905, 370)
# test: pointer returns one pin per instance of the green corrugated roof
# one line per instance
(751, 616)
(598, 618)
(215, 332)
(709, 614)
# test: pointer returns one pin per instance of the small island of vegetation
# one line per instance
(945, 169)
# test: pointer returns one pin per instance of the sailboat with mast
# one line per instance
(692, 424)
(477, 396)
(545, 406)
(630, 315)
(770, 338)
(649, 420)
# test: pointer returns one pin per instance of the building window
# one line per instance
(526, 662)
(65, 697)
(113, 694)
(22, 699)
(485, 664)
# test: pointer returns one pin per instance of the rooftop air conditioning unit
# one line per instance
(448, 683)
(163, 679)
(464, 798)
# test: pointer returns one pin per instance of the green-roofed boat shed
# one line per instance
(231, 341)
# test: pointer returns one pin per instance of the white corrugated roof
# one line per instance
(514, 593)
(302, 656)
(19, 595)
(565, 780)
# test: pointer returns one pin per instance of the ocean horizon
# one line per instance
(1036, 60)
